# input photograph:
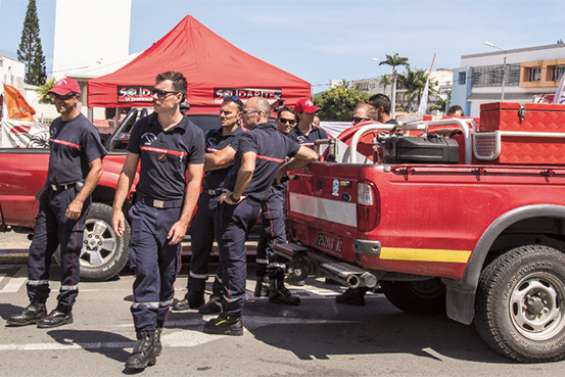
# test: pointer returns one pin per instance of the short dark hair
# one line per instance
(455, 108)
(233, 99)
(288, 110)
(177, 78)
(380, 101)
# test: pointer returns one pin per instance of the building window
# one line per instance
(533, 74)
(556, 72)
(462, 78)
(491, 75)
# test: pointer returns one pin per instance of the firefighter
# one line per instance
(170, 149)
(75, 166)
(260, 155)
(274, 230)
(221, 147)
(305, 131)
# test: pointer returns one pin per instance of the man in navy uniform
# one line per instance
(170, 149)
(221, 147)
(274, 230)
(261, 153)
(75, 166)
(305, 131)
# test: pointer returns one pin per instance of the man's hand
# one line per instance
(177, 232)
(74, 210)
(118, 222)
(227, 197)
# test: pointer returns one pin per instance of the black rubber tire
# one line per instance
(117, 262)
(493, 308)
(426, 297)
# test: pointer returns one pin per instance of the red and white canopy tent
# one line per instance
(214, 68)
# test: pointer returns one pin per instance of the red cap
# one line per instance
(305, 105)
(65, 86)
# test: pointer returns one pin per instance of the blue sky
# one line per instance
(323, 39)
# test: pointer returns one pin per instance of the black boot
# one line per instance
(58, 317)
(192, 300)
(278, 293)
(352, 296)
(213, 306)
(158, 345)
(144, 352)
(33, 313)
(261, 286)
(224, 325)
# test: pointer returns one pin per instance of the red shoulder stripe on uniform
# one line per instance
(270, 159)
(172, 152)
(65, 143)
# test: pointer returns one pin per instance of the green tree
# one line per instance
(30, 50)
(43, 91)
(385, 82)
(394, 61)
(414, 80)
(338, 103)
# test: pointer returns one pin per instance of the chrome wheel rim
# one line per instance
(537, 306)
(99, 244)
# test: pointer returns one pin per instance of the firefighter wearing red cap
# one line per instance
(305, 131)
(75, 166)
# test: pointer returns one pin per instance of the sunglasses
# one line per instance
(356, 120)
(160, 93)
(232, 98)
(63, 97)
(290, 122)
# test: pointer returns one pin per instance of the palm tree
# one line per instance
(414, 81)
(394, 61)
(385, 81)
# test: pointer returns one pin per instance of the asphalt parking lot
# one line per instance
(318, 338)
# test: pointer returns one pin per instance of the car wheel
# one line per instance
(520, 304)
(419, 297)
(103, 253)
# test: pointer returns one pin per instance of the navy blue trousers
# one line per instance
(273, 229)
(52, 230)
(156, 264)
(233, 226)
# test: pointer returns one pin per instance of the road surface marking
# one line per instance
(16, 282)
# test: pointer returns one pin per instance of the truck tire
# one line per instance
(425, 297)
(520, 304)
(104, 254)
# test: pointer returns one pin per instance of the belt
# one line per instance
(156, 203)
(63, 187)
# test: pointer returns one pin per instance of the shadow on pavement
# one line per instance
(105, 343)
(8, 310)
(320, 329)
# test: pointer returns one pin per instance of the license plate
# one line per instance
(329, 243)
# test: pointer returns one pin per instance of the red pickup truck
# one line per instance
(442, 223)
(23, 172)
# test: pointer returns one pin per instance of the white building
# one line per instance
(12, 71)
(530, 73)
(90, 32)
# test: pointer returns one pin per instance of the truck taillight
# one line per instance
(368, 212)
(365, 195)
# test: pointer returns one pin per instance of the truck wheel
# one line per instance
(419, 297)
(103, 253)
(520, 304)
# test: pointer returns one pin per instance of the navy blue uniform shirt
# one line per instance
(165, 156)
(271, 147)
(214, 139)
(73, 145)
(315, 134)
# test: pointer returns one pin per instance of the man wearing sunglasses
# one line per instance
(261, 154)
(274, 230)
(170, 150)
(363, 112)
(221, 147)
(75, 166)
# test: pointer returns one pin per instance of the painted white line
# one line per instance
(16, 282)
